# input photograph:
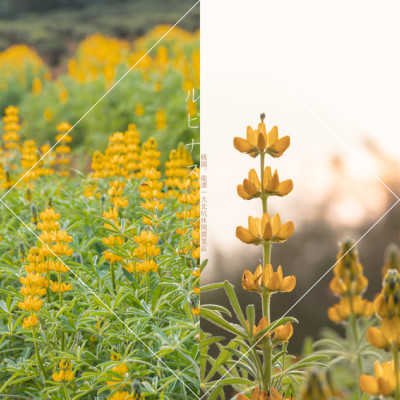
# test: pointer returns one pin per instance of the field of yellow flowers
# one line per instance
(359, 360)
(99, 267)
(158, 94)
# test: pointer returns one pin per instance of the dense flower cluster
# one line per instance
(62, 150)
(151, 187)
(146, 252)
(65, 374)
(34, 286)
(349, 283)
(19, 62)
(190, 198)
(55, 246)
(387, 308)
(117, 200)
(11, 128)
(177, 168)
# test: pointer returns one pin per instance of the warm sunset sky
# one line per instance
(326, 73)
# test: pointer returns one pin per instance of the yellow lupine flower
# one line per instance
(283, 333)
(195, 311)
(121, 396)
(251, 187)
(376, 338)
(161, 120)
(273, 281)
(120, 369)
(63, 95)
(65, 374)
(31, 303)
(348, 305)
(262, 324)
(259, 141)
(30, 322)
(60, 288)
(36, 85)
(260, 395)
(265, 229)
(382, 383)
(139, 110)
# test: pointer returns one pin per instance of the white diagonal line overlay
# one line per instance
(308, 291)
(44, 155)
(94, 293)
(330, 130)
(98, 101)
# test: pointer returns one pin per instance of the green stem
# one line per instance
(62, 341)
(263, 195)
(284, 349)
(265, 294)
(66, 392)
(147, 287)
(48, 291)
(259, 365)
(266, 300)
(39, 360)
(355, 330)
(359, 360)
(267, 350)
(59, 287)
(396, 370)
(355, 333)
(113, 276)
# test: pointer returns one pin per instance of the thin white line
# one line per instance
(101, 98)
(94, 293)
(348, 148)
(330, 130)
(301, 101)
(27, 172)
(305, 294)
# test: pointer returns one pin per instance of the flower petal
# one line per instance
(242, 145)
(244, 235)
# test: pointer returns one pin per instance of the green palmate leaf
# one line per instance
(212, 286)
(251, 317)
(230, 291)
(222, 358)
(245, 361)
(205, 343)
(216, 392)
(203, 265)
(307, 362)
(277, 356)
(222, 323)
(217, 308)
(235, 381)
(128, 275)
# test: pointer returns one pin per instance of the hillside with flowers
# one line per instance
(99, 265)
(158, 94)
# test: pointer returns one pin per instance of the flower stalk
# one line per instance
(396, 370)
(38, 358)
(265, 231)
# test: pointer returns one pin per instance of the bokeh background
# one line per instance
(327, 74)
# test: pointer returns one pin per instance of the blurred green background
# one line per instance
(103, 39)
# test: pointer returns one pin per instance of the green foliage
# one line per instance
(147, 319)
(238, 363)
